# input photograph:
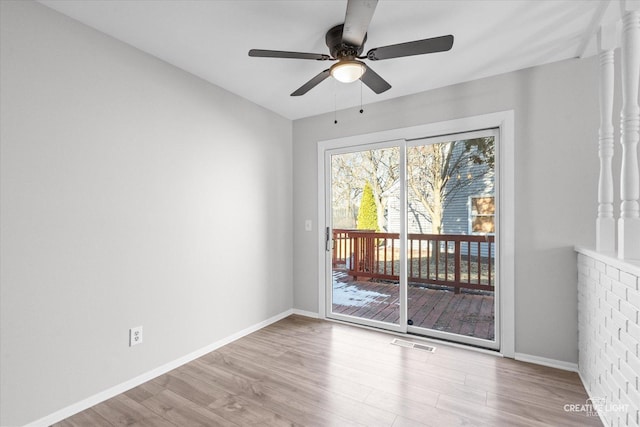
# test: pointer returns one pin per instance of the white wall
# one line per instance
(132, 193)
(556, 119)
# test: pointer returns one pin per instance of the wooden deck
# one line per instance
(458, 261)
(469, 314)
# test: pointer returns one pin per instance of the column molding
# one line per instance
(629, 221)
(605, 222)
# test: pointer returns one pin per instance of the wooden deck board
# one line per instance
(485, 325)
(473, 312)
(469, 314)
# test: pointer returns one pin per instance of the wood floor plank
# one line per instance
(123, 411)
(382, 362)
(406, 422)
(144, 391)
(184, 412)
(308, 372)
(543, 414)
(417, 412)
(540, 394)
(282, 376)
(315, 393)
(486, 415)
(217, 400)
(281, 401)
(197, 391)
(88, 418)
(386, 368)
(344, 343)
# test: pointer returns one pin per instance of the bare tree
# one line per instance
(382, 169)
(346, 188)
(437, 172)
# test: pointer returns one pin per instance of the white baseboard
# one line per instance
(552, 363)
(140, 379)
(306, 313)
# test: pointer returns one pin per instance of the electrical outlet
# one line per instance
(135, 336)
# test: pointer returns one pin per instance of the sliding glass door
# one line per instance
(451, 252)
(411, 241)
(367, 251)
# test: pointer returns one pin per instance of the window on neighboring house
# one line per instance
(482, 215)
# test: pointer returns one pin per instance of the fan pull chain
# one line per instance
(335, 120)
(361, 109)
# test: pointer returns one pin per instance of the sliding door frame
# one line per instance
(504, 121)
(402, 288)
(497, 293)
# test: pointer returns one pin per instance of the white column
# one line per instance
(629, 222)
(605, 223)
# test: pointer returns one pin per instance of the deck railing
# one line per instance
(454, 260)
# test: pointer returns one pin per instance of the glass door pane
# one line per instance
(451, 225)
(365, 193)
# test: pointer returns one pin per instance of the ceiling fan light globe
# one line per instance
(348, 71)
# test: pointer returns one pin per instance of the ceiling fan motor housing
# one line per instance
(339, 49)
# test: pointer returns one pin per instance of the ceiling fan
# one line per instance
(346, 43)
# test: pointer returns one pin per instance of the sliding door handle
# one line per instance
(327, 240)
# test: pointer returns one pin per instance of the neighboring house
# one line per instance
(469, 211)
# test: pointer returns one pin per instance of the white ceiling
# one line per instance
(211, 39)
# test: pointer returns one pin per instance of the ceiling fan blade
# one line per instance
(319, 78)
(356, 21)
(374, 81)
(282, 54)
(418, 47)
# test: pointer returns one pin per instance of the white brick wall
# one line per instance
(609, 335)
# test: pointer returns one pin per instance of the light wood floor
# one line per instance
(308, 372)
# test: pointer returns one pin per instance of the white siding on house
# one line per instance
(417, 219)
(456, 218)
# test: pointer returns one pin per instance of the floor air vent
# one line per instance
(409, 344)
